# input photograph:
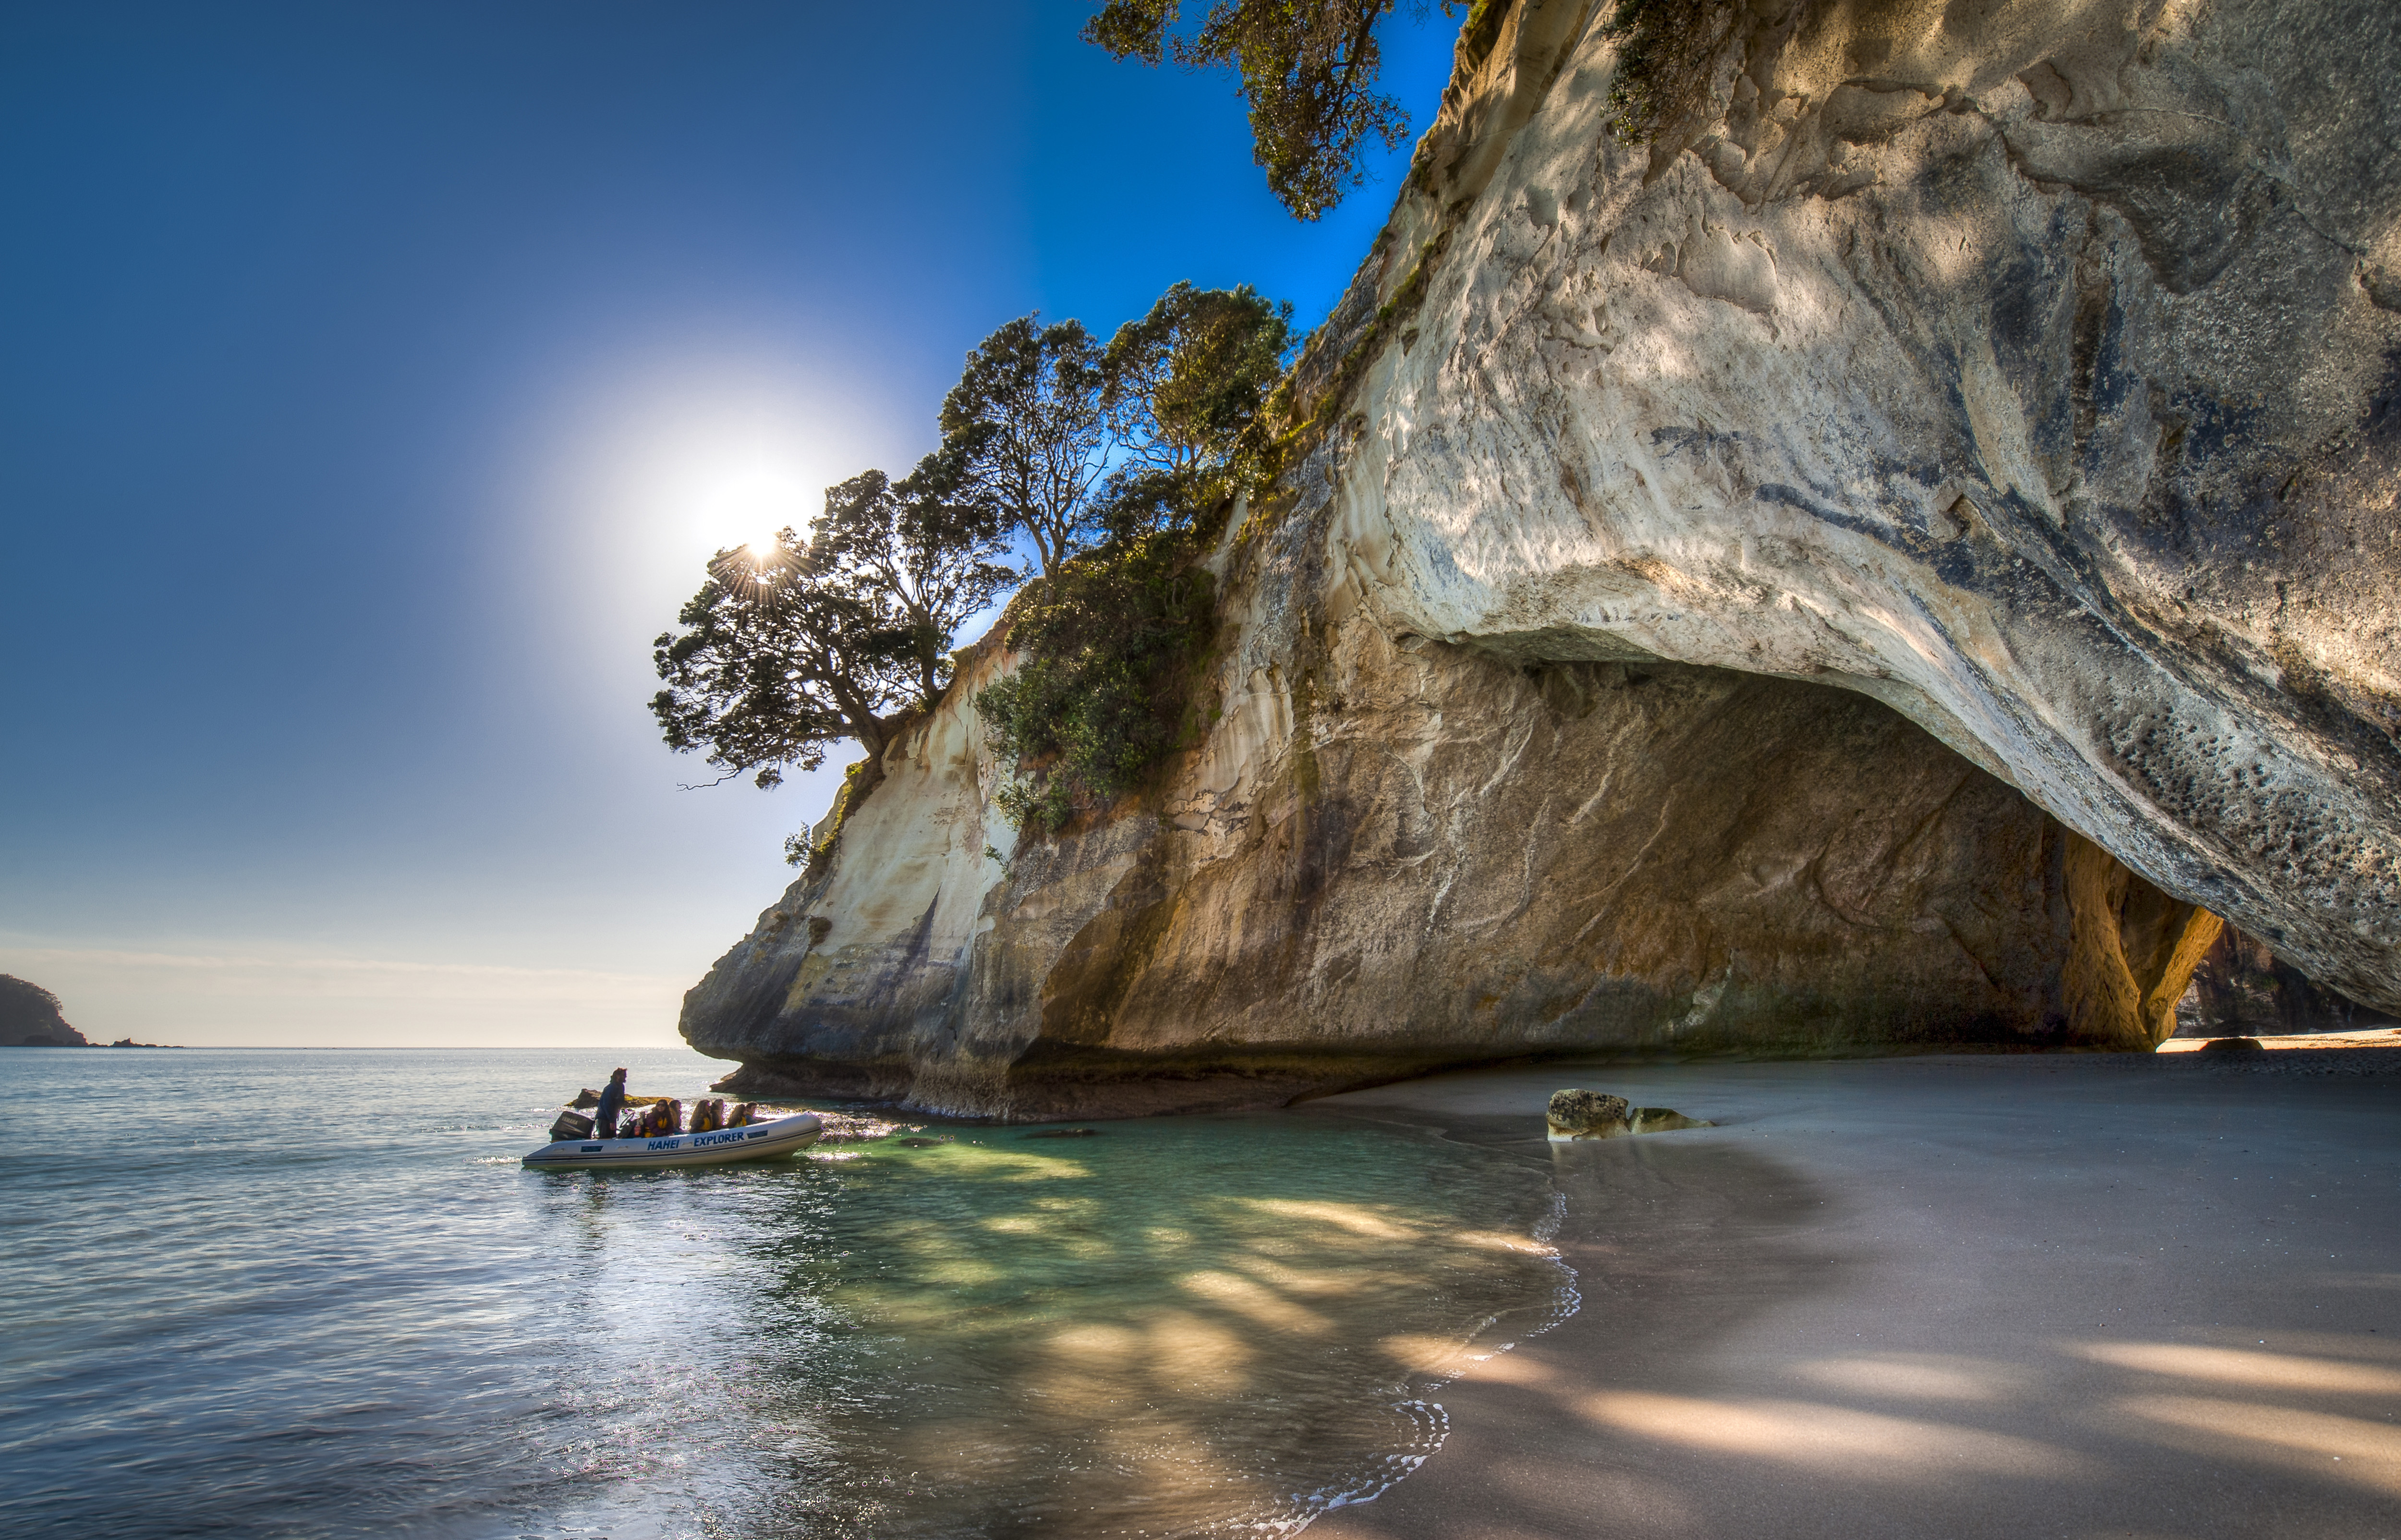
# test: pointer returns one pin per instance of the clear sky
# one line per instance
(375, 379)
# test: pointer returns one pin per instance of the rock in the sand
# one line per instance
(1598, 1115)
(1586, 1115)
(2233, 1045)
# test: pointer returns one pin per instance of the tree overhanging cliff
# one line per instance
(2029, 374)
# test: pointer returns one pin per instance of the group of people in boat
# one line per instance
(612, 1119)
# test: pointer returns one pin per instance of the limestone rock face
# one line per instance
(2241, 987)
(2033, 366)
(1886, 566)
(1387, 858)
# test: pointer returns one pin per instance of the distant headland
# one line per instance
(30, 1017)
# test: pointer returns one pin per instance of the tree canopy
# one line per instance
(1023, 434)
(1309, 72)
(1074, 443)
(1182, 388)
(921, 549)
(774, 665)
(788, 650)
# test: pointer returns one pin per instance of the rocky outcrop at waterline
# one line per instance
(1885, 565)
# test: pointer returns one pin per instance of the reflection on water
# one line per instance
(1181, 1326)
(1185, 1321)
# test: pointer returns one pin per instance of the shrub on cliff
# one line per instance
(1666, 50)
(1111, 647)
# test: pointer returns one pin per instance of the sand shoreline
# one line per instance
(2068, 1295)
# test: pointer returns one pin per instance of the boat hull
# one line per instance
(751, 1142)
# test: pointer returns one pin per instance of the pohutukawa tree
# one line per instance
(790, 649)
(1309, 70)
(1024, 435)
(775, 663)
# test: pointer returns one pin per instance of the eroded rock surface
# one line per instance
(1886, 566)
(2030, 367)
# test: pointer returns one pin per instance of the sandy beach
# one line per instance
(2076, 1296)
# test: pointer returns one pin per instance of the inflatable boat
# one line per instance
(750, 1142)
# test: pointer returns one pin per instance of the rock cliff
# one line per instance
(1886, 563)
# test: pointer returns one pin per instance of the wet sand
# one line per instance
(2076, 1296)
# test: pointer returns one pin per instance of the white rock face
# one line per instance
(2031, 367)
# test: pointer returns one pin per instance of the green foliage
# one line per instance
(788, 650)
(799, 851)
(1074, 443)
(1308, 73)
(1183, 388)
(1664, 52)
(1110, 650)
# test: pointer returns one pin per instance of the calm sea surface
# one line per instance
(288, 1294)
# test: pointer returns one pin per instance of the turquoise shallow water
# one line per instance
(312, 1294)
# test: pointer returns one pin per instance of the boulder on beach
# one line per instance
(1586, 1115)
(1575, 1114)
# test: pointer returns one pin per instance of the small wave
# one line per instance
(1569, 1298)
(1429, 1426)
(1428, 1423)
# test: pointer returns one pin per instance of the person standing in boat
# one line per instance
(612, 1101)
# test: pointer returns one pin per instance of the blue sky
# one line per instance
(375, 379)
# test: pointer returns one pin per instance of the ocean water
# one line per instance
(313, 1294)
